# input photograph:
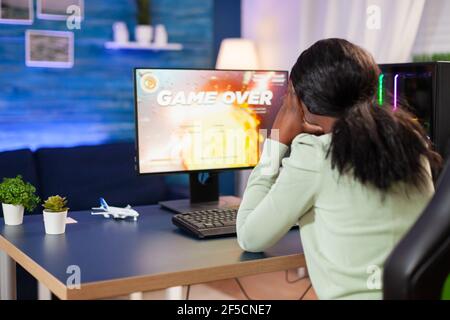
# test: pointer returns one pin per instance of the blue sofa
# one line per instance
(85, 173)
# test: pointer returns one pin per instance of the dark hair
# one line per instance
(378, 145)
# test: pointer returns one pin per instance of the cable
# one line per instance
(293, 281)
(304, 293)
(188, 291)
(248, 297)
(242, 289)
(297, 280)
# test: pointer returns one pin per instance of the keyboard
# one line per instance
(207, 223)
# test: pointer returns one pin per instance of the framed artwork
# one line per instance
(57, 9)
(49, 49)
(16, 11)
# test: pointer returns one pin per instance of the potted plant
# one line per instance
(143, 30)
(55, 214)
(16, 196)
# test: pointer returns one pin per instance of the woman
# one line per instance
(357, 177)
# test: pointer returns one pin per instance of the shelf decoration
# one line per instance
(50, 49)
(137, 46)
(146, 36)
(143, 31)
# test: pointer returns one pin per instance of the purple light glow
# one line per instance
(395, 92)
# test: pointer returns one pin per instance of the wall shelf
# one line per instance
(137, 46)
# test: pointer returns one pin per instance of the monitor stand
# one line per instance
(204, 190)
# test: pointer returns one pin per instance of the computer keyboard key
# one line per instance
(198, 225)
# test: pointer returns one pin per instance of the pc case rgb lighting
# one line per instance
(424, 89)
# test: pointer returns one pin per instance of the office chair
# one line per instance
(419, 265)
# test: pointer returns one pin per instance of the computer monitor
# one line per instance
(201, 122)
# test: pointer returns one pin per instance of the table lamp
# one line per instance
(237, 54)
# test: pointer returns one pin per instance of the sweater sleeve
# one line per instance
(278, 193)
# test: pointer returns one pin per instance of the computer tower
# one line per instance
(424, 89)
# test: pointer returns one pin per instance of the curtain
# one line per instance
(282, 29)
(434, 31)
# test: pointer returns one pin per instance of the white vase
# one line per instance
(143, 34)
(13, 214)
(55, 222)
(161, 36)
(120, 32)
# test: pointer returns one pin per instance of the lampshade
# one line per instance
(238, 54)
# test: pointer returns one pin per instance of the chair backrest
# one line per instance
(420, 264)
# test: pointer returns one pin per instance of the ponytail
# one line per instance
(380, 146)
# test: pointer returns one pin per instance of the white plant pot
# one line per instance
(143, 34)
(55, 222)
(13, 214)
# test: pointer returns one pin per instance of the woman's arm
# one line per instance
(275, 199)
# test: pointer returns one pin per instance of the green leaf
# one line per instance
(18, 192)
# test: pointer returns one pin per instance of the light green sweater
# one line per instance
(347, 229)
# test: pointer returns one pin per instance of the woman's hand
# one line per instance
(290, 120)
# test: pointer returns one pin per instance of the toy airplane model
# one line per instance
(115, 212)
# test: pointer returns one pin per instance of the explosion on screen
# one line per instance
(198, 120)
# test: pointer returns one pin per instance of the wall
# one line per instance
(92, 103)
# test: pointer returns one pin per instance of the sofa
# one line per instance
(85, 173)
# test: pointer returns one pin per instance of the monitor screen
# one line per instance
(196, 120)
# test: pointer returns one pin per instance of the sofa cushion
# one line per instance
(17, 162)
(83, 174)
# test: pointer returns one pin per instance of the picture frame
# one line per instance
(16, 12)
(56, 9)
(49, 49)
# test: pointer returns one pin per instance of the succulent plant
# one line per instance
(55, 204)
(15, 191)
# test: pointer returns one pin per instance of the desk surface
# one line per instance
(121, 257)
